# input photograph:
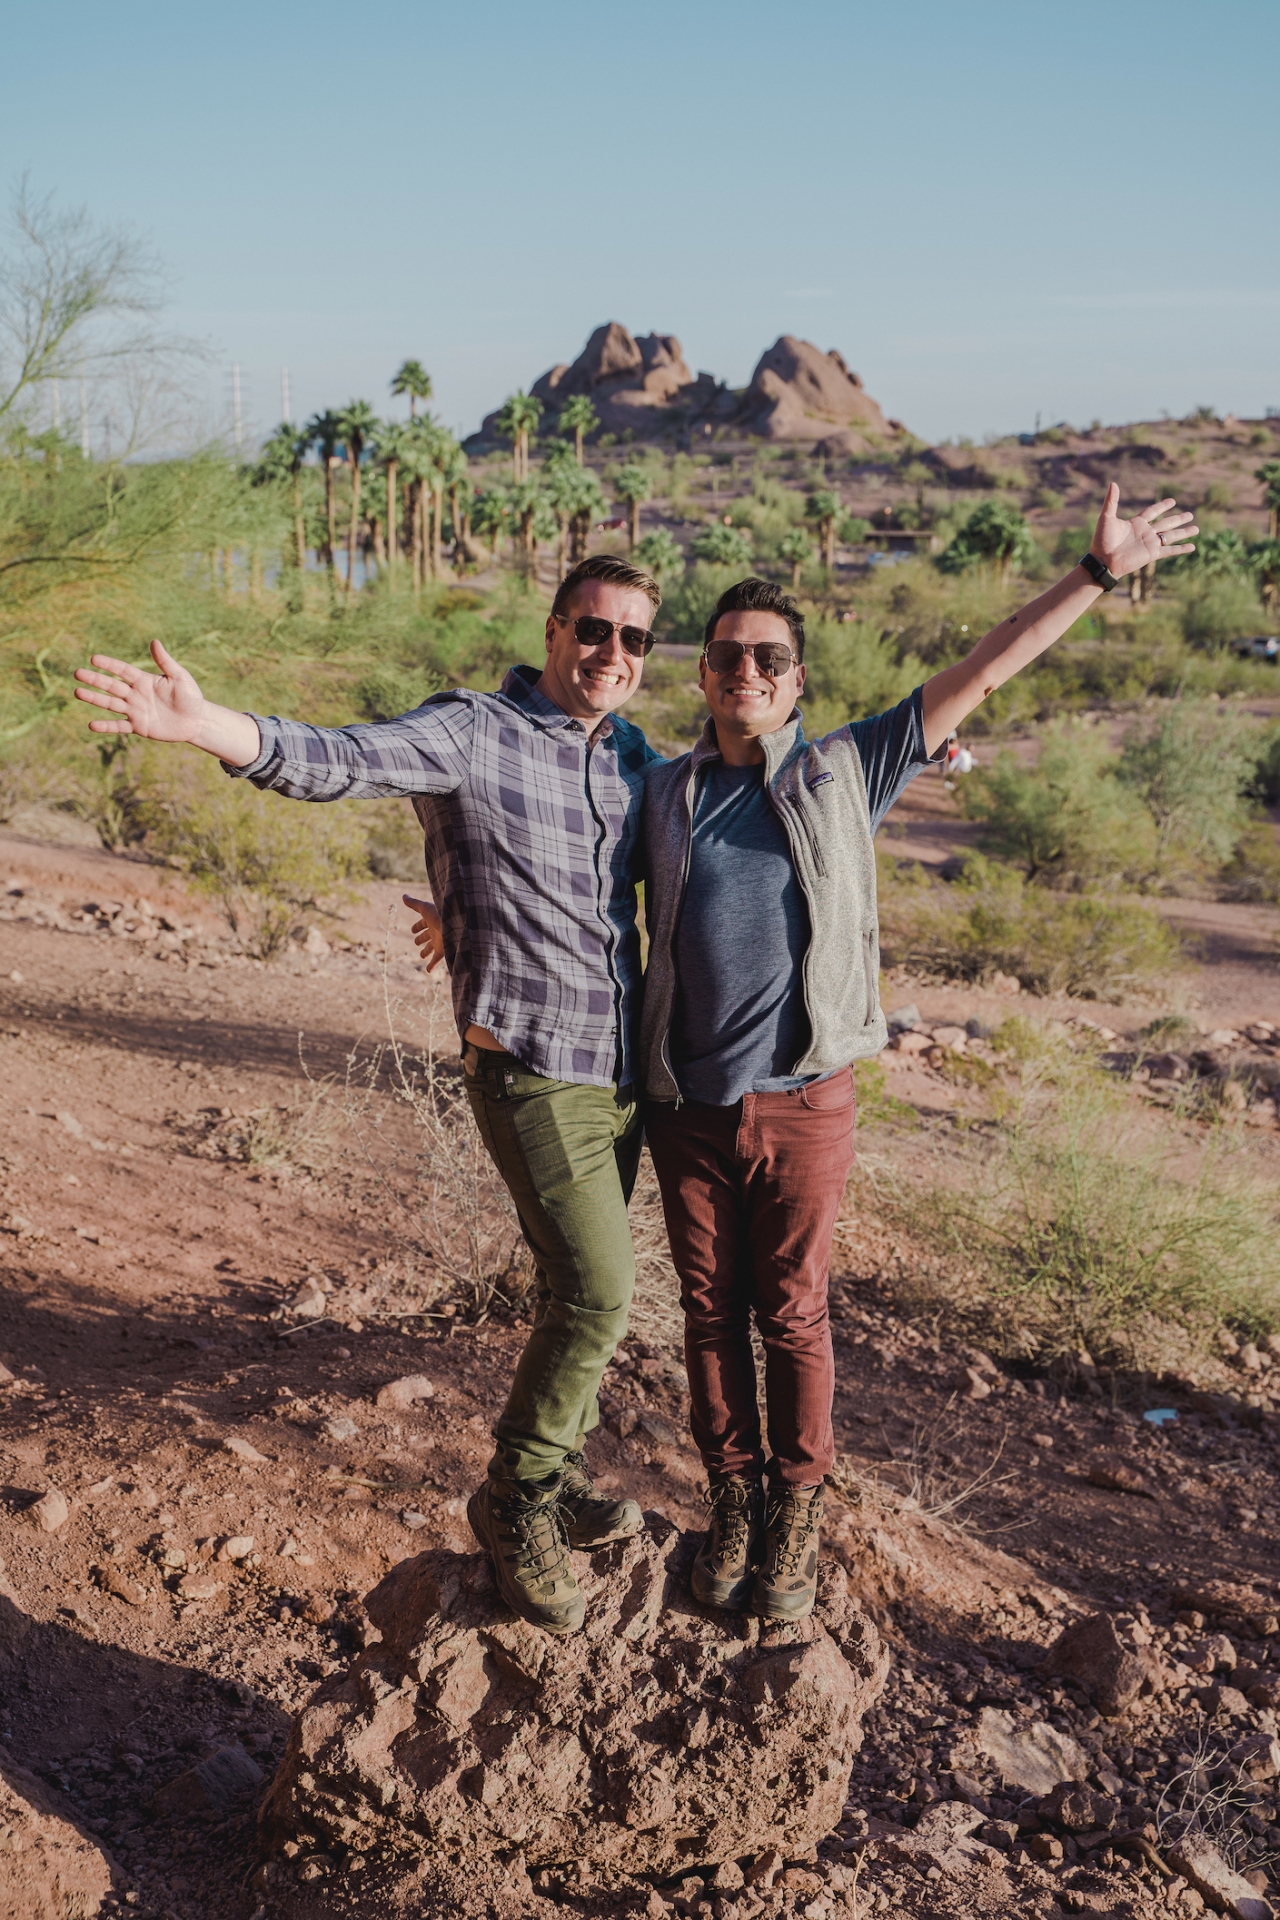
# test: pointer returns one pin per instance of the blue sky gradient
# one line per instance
(992, 211)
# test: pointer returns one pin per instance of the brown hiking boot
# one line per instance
(591, 1519)
(730, 1552)
(518, 1524)
(788, 1578)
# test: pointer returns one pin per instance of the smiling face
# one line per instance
(589, 682)
(744, 702)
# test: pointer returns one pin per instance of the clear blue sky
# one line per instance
(992, 210)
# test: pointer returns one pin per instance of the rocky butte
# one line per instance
(660, 1737)
(644, 387)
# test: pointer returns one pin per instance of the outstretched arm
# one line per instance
(1122, 545)
(166, 706)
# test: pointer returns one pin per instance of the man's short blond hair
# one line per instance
(608, 567)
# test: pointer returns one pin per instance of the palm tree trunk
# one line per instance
(795, 576)
(354, 528)
(416, 536)
(392, 538)
(633, 515)
(829, 546)
(331, 524)
(577, 443)
(299, 525)
(563, 548)
(437, 528)
(1273, 522)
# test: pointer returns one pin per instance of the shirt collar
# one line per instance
(777, 745)
(520, 686)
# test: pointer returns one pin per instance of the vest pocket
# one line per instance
(871, 972)
(806, 827)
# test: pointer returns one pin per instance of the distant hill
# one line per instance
(642, 387)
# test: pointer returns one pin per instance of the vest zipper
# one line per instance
(793, 801)
(671, 968)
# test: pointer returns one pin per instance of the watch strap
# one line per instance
(1098, 572)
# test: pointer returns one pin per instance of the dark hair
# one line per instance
(759, 596)
(606, 566)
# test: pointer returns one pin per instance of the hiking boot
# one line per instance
(518, 1524)
(591, 1519)
(788, 1578)
(730, 1552)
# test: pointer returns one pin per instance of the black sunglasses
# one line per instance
(591, 631)
(771, 656)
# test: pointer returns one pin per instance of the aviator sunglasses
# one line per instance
(771, 656)
(591, 631)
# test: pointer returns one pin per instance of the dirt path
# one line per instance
(159, 1389)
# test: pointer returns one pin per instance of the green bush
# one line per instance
(852, 671)
(723, 546)
(1068, 819)
(995, 534)
(991, 920)
(1218, 609)
(1191, 770)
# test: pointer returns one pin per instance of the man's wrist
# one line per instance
(1099, 572)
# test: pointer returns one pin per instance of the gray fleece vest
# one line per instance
(818, 792)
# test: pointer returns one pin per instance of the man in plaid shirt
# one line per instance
(529, 800)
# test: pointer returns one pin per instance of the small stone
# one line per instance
(727, 1877)
(238, 1547)
(1227, 1703)
(214, 1786)
(1045, 1847)
(339, 1427)
(1035, 1759)
(912, 1042)
(6, 1378)
(1079, 1809)
(404, 1391)
(198, 1586)
(243, 1450)
(411, 1518)
(114, 1582)
(50, 1511)
(952, 1039)
(310, 1302)
(971, 1384)
(1259, 1756)
(765, 1868)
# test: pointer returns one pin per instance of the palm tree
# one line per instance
(417, 461)
(454, 468)
(578, 417)
(633, 484)
(324, 434)
(413, 379)
(490, 511)
(1269, 474)
(822, 510)
(392, 442)
(588, 506)
(660, 553)
(517, 420)
(282, 458)
(357, 423)
(798, 549)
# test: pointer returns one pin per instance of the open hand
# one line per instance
(164, 706)
(428, 933)
(1127, 545)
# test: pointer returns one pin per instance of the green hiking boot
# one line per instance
(518, 1524)
(591, 1519)
(788, 1578)
(730, 1552)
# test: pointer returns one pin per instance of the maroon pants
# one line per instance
(750, 1195)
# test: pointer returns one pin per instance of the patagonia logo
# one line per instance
(819, 781)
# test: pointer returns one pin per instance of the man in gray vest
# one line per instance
(761, 991)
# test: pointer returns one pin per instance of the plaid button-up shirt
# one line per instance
(530, 826)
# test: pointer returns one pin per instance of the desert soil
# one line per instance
(149, 1267)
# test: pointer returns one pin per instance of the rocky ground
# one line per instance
(208, 1291)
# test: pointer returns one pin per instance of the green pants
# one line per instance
(568, 1155)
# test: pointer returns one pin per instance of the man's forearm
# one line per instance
(950, 696)
(228, 735)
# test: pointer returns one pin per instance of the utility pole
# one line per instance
(286, 411)
(84, 417)
(236, 422)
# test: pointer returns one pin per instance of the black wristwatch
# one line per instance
(1098, 572)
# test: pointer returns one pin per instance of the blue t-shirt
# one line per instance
(740, 1023)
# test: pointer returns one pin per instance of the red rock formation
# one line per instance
(799, 393)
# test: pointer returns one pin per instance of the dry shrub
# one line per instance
(1069, 1228)
(271, 864)
(990, 920)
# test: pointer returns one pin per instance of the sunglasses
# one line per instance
(771, 656)
(591, 631)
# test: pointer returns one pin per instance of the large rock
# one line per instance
(49, 1869)
(632, 382)
(798, 392)
(663, 1735)
(1091, 1653)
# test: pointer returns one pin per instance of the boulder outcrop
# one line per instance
(633, 383)
(663, 1735)
(49, 1869)
(798, 392)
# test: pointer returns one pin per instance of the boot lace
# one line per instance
(538, 1532)
(791, 1525)
(730, 1506)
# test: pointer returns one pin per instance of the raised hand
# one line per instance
(1126, 545)
(164, 706)
(428, 933)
